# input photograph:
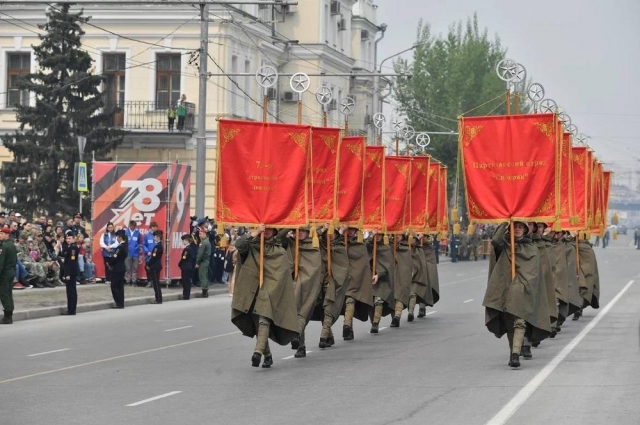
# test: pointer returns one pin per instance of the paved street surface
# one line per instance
(185, 363)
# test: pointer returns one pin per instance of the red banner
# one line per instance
(417, 211)
(579, 173)
(443, 200)
(597, 185)
(324, 172)
(350, 180)
(606, 187)
(432, 199)
(566, 183)
(509, 165)
(397, 169)
(144, 193)
(262, 171)
(374, 164)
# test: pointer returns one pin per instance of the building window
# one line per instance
(167, 80)
(114, 74)
(19, 65)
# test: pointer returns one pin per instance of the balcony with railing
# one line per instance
(151, 117)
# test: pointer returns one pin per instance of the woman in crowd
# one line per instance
(108, 243)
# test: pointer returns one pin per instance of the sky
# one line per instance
(586, 54)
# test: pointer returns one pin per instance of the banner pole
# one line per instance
(324, 116)
(513, 249)
(517, 103)
(375, 254)
(296, 260)
(261, 259)
(508, 102)
(328, 254)
(265, 108)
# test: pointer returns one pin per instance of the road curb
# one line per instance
(39, 313)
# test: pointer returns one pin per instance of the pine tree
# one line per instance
(68, 104)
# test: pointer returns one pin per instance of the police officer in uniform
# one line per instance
(155, 265)
(202, 262)
(70, 272)
(118, 269)
(8, 260)
(186, 267)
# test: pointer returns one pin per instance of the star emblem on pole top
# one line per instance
(324, 95)
(396, 124)
(378, 120)
(299, 82)
(267, 76)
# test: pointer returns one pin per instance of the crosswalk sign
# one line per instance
(83, 185)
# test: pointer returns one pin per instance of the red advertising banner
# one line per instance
(509, 165)
(417, 211)
(323, 181)
(579, 173)
(432, 199)
(144, 193)
(443, 200)
(374, 164)
(397, 170)
(262, 173)
(351, 180)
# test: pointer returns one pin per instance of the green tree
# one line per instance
(68, 103)
(452, 74)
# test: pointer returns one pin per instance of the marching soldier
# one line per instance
(515, 306)
(334, 281)
(589, 277)
(384, 298)
(8, 261)
(432, 272)
(267, 311)
(575, 299)
(359, 297)
(402, 276)
(308, 282)
(420, 290)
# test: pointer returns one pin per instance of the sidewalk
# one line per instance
(36, 303)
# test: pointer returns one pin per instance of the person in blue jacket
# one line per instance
(148, 243)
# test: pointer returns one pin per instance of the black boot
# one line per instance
(205, 293)
(330, 341)
(7, 319)
(526, 352)
(553, 334)
(514, 361)
(374, 328)
(577, 315)
(255, 359)
(535, 344)
(323, 343)
(395, 322)
(295, 344)
(422, 313)
(410, 317)
(268, 361)
(302, 352)
(347, 333)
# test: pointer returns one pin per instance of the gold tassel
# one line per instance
(315, 242)
(456, 229)
(454, 214)
(385, 239)
(410, 239)
(332, 228)
(360, 238)
(471, 229)
(557, 227)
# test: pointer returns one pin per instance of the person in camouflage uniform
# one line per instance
(36, 274)
(474, 245)
(51, 267)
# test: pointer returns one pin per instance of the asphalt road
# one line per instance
(185, 363)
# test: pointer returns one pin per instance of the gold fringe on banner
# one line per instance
(315, 241)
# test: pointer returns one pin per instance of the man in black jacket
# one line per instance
(186, 266)
(70, 272)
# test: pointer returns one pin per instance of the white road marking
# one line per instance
(431, 312)
(290, 357)
(468, 301)
(49, 352)
(463, 280)
(158, 397)
(177, 329)
(523, 395)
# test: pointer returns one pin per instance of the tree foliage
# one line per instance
(66, 103)
(452, 74)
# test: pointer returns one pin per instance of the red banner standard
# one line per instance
(144, 193)
(606, 187)
(509, 165)
(323, 181)
(567, 198)
(597, 192)
(417, 210)
(374, 164)
(262, 173)
(432, 198)
(397, 169)
(443, 200)
(579, 173)
(350, 180)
